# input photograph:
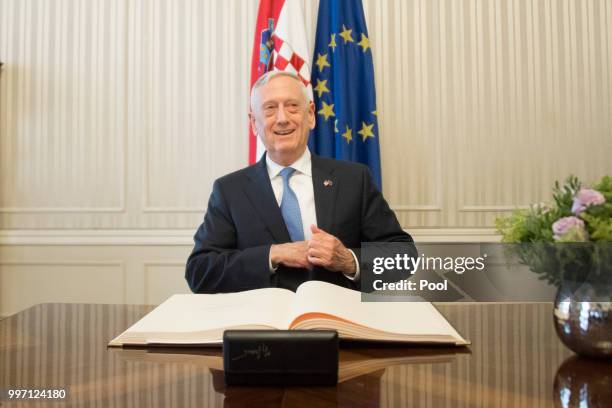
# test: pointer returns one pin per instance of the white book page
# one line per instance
(411, 318)
(198, 313)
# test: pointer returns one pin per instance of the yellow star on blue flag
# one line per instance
(344, 87)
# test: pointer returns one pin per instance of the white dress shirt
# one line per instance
(301, 184)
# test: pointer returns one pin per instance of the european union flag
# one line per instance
(343, 85)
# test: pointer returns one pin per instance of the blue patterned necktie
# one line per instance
(290, 208)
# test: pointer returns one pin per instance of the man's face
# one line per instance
(282, 117)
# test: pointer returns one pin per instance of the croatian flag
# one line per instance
(279, 44)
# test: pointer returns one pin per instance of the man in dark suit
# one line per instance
(292, 216)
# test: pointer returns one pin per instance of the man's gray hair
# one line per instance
(268, 76)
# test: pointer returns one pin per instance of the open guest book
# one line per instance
(201, 319)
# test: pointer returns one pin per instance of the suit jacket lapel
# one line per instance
(325, 192)
(260, 193)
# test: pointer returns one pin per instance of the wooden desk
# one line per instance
(513, 361)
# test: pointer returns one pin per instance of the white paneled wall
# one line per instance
(118, 115)
(97, 273)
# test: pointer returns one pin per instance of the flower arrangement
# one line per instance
(569, 239)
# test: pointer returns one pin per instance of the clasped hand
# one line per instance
(323, 250)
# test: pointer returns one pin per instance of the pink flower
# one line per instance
(586, 197)
(569, 229)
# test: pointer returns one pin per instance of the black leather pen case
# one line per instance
(280, 357)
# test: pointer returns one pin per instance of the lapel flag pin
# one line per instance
(328, 183)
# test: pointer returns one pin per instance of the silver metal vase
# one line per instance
(583, 318)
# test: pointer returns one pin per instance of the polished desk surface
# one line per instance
(515, 360)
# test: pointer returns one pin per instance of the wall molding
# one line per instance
(68, 262)
(89, 237)
(171, 210)
(146, 272)
(184, 237)
(491, 208)
(70, 210)
(415, 207)
(448, 235)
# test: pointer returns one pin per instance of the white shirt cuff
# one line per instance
(354, 277)
(272, 268)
